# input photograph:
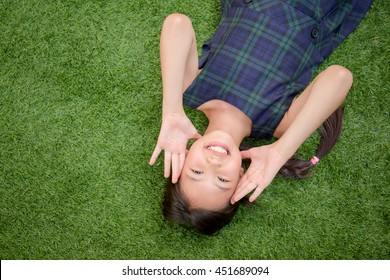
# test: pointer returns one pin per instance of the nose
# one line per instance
(215, 161)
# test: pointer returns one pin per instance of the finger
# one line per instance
(240, 194)
(243, 192)
(175, 167)
(243, 181)
(256, 193)
(155, 155)
(167, 164)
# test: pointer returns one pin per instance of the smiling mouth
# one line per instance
(218, 149)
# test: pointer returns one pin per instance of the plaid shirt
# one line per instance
(264, 53)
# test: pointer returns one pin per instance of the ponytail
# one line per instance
(330, 132)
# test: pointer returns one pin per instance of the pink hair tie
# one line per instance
(314, 160)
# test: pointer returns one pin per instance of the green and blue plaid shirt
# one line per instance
(264, 53)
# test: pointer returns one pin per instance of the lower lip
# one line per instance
(224, 146)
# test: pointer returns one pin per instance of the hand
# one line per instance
(266, 161)
(176, 130)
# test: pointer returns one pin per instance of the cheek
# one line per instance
(236, 172)
(192, 154)
(236, 165)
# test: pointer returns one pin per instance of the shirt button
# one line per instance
(314, 32)
(248, 1)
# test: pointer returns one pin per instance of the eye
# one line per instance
(223, 180)
(196, 171)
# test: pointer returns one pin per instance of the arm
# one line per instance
(179, 58)
(322, 97)
(179, 61)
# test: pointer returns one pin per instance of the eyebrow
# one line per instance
(194, 179)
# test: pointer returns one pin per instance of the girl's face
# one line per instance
(211, 171)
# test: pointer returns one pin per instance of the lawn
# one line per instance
(80, 111)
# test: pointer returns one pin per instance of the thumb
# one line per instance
(156, 152)
(196, 135)
(246, 154)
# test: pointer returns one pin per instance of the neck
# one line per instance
(225, 117)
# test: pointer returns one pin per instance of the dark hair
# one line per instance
(177, 209)
(330, 132)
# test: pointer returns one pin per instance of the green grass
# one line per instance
(80, 106)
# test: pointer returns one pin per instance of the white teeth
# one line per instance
(218, 149)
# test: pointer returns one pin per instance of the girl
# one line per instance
(247, 82)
